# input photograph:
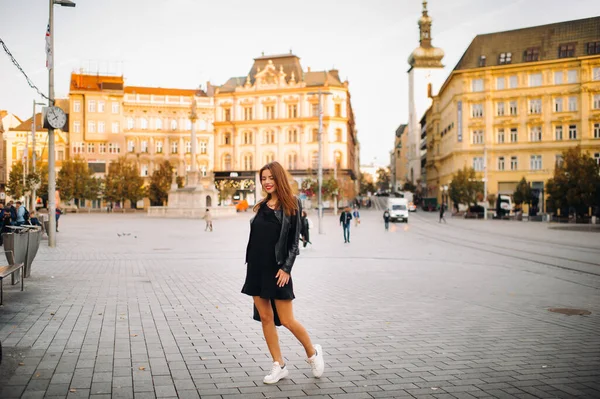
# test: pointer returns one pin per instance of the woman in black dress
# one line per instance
(270, 255)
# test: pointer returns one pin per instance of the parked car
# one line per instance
(412, 207)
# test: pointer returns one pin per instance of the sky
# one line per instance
(185, 43)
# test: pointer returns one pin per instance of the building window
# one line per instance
(478, 164)
(593, 48)
(174, 147)
(477, 85)
(130, 146)
(558, 160)
(115, 107)
(292, 110)
(144, 123)
(188, 147)
(477, 111)
(338, 110)
(566, 50)
(76, 106)
(482, 60)
(500, 83)
(315, 135)
(596, 73)
(173, 124)
(572, 132)
(91, 106)
(203, 147)
(531, 54)
(500, 109)
(337, 158)
(60, 155)
(227, 162)
(478, 137)
(158, 124)
(315, 110)
(500, 163)
(513, 81)
(91, 127)
(247, 113)
(596, 101)
(227, 114)
(76, 127)
(500, 136)
(558, 104)
(130, 123)
(248, 162)
(144, 171)
(514, 163)
(535, 162)
(535, 106)
(535, 79)
(572, 103)
(558, 132)
(269, 112)
(572, 76)
(535, 134)
(188, 124)
(292, 161)
(100, 106)
(101, 127)
(292, 136)
(314, 160)
(159, 147)
(203, 170)
(115, 127)
(269, 157)
(504, 58)
(227, 138)
(247, 137)
(513, 108)
(597, 157)
(114, 148)
(514, 135)
(102, 148)
(144, 146)
(558, 77)
(597, 130)
(78, 148)
(338, 136)
(269, 137)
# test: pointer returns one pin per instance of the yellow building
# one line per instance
(399, 159)
(513, 103)
(272, 114)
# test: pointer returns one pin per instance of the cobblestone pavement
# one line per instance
(129, 306)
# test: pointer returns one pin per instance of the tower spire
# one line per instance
(425, 28)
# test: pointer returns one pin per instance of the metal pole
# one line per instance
(335, 197)
(51, 160)
(320, 172)
(485, 181)
(33, 160)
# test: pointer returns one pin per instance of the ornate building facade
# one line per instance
(514, 102)
(272, 114)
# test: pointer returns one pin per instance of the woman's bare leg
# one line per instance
(285, 312)
(268, 325)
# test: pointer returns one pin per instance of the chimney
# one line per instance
(308, 69)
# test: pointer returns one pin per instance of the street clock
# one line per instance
(55, 117)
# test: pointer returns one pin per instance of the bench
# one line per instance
(6, 271)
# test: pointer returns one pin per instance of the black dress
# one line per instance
(262, 265)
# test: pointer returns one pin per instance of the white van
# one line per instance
(398, 209)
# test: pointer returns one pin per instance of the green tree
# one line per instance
(329, 187)
(409, 186)
(575, 183)
(73, 179)
(160, 184)
(123, 181)
(366, 184)
(41, 171)
(383, 178)
(465, 188)
(15, 187)
(522, 194)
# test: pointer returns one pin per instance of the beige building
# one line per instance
(513, 103)
(399, 159)
(272, 114)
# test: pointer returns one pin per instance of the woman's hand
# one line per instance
(282, 278)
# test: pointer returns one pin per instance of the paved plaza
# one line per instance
(129, 306)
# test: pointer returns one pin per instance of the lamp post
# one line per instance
(320, 93)
(51, 155)
(33, 157)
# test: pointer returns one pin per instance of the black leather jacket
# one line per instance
(287, 247)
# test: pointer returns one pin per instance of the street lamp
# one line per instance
(51, 155)
(320, 93)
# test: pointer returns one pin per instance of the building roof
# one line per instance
(161, 91)
(26, 126)
(401, 129)
(547, 38)
(80, 81)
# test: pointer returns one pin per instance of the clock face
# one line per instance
(56, 117)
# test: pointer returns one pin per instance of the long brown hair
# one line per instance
(285, 194)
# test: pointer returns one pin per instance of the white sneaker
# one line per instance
(277, 373)
(316, 362)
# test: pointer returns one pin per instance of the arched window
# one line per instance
(248, 164)
(269, 157)
(247, 137)
(292, 161)
(144, 123)
(158, 123)
(337, 157)
(173, 124)
(314, 160)
(226, 162)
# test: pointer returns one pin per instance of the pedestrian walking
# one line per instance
(356, 215)
(345, 219)
(386, 219)
(57, 214)
(208, 218)
(305, 230)
(442, 210)
(270, 255)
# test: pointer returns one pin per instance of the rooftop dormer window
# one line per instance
(531, 54)
(504, 58)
